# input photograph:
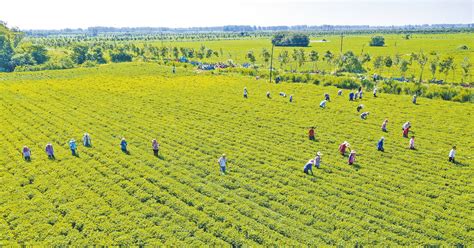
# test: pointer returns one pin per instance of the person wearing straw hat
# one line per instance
(323, 104)
(452, 153)
(26, 153)
(268, 95)
(308, 167)
(246, 93)
(86, 140)
(222, 161)
(364, 115)
(384, 125)
(351, 96)
(155, 146)
(123, 145)
(339, 92)
(73, 147)
(412, 143)
(380, 144)
(311, 134)
(360, 107)
(343, 147)
(352, 157)
(317, 159)
(50, 151)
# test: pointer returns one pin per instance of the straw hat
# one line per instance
(353, 151)
(223, 155)
(383, 138)
(319, 154)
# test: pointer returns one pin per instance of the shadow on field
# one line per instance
(356, 166)
(457, 163)
(126, 152)
(161, 157)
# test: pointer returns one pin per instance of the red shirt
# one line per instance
(311, 132)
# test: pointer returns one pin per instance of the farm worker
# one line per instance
(309, 166)
(412, 143)
(352, 157)
(326, 97)
(277, 79)
(405, 132)
(414, 99)
(374, 77)
(123, 145)
(351, 96)
(360, 107)
(246, 92)
(360, 89)
(291, 98)
(317, 160)
(360, 94)
(73, 146)
(406, 125)
(222, 163)
(311, 134)
(282, 94)
(356, 95)
(339, 92)
(86, 140)
(50, 151)
(375, 91)
(384, 125)
(343, 146)
(364, 115)
(323, 104)
(268, 95)
(174, 69)
(26, 153)
(155, 146)
(452, 153)
(380, 144)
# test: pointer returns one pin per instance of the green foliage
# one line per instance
(290, 39)
(120, 55)
(79, 53)
(103, 197)
(377, 41)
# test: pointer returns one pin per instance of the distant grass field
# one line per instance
(398, 197)
(443, 44)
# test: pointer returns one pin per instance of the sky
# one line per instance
(59, 14)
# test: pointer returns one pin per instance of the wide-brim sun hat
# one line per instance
(353, 151)
(319, 154)
(223, 155)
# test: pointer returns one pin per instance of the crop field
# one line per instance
(106, 197)
(433, 45)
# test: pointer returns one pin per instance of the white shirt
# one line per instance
(406, 125)
(452, 153)
(222, 161)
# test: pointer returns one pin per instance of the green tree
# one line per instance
(377, 41)
(96, 54)
(404, 64)
(39, 54)
(351, 63)
(466, 68)
(422, 60)
(79, 53)
(433, 66)
(314, 57)
(265, 55)
(378, 62)
(251, 57)
(445, 66)
(6, 53)
(283, 58)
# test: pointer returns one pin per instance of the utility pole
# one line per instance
(342, 38)
(271, 63)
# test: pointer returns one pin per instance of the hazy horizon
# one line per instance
(55, 14)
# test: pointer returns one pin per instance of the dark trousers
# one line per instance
(311, 137)
(73, 151)
(451, 159)
(155, 152)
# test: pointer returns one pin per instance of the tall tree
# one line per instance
(466, 68)
(422, 60)
(314, 57)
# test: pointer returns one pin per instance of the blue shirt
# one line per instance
(380, 144)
